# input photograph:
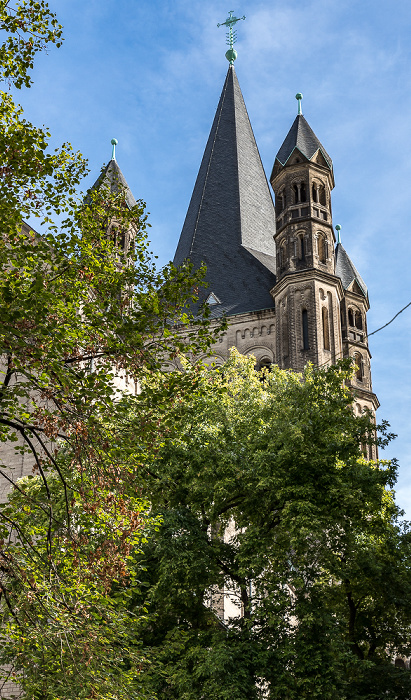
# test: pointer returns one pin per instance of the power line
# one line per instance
(393, 319)
(341, 354)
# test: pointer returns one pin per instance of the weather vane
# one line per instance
(230, 22)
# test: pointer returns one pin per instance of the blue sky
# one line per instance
(150, 74)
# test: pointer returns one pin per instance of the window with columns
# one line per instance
(318, 194)
(300, 193)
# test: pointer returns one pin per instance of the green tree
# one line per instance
(263, 493)
(82, 309)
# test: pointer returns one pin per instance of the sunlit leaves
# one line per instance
(265, 495)
(30, 27)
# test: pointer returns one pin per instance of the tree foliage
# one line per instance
(142, 510)
(263, 493)
(84, 313)
(30, 27)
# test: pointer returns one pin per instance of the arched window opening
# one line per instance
(299, 192)
(315, 192)
(359, 367)
(283, 254)
(264, 363)
(280, 202)
(322, 249)
(301, 247)
(285, 335)
(322, 196)
(305, 329)
(296, 194)
(303, 194)
(350, 317)
(326, 328)
(358, 320)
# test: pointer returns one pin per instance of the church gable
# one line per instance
(355, 287)
(297, 157)
(319, 159)
(212, 299)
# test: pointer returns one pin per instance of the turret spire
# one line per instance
(230, 22)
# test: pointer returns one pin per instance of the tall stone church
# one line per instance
(290, 292)
(288, 288)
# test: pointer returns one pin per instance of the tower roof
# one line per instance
(230, 221)
(301, 136)
(346, 270)
(110, 178)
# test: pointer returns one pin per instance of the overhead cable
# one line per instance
(393, 319)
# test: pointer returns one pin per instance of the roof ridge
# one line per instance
(346, 270)
(220, 104)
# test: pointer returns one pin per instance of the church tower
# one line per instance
(307, 294)
(290, 292)
(320, 299)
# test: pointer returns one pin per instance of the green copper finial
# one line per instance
(114, 143)
(230, 22)
(299, 97)
(338, 229)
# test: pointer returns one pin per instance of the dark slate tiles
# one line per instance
(346, 270)
(230, 221)
(301, 136)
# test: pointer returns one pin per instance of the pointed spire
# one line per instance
(346, 270)
(114, 143)
(301, 136)
(230, 221)
(110, 178)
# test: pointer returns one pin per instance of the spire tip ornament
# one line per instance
(338, 229)
(114, 143)
(230, 22)
(299, 97)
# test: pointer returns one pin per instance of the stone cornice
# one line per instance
(313, 274)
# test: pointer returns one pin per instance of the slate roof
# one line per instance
(110, 177)
(346, 270)
(230, 221)
(301, 136)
